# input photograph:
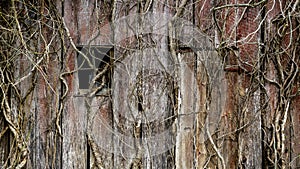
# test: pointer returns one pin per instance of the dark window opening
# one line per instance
(94, 68)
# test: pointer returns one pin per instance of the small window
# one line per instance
(94, 65)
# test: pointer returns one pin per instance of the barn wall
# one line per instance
(187, 111)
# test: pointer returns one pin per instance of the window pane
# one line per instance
(82, 61)
(102, 57)
(85, 77)
(99, 57)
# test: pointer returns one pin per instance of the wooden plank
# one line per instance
(4, 142)
(74, 119)
(142, 101)
(185, 130)
(87, 122)
(249, 137)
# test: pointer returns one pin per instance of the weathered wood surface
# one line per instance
(154, 115)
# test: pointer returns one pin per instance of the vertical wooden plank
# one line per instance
(123, 140)
(75, 115)
(45, 139)
(74, 128)
(156, 109)
(201, 152)
(41, 105)
(295, 134)
(249, 123)
(249, 135)
(185, 129)
(4, 136)
(142, 96)
(87, 121)
(100, 133)
(123, 82)
(188, 94)
(4, 130)
(212, 93)
(229, 123)
(4, 142)
(159, 93)
(74, 141)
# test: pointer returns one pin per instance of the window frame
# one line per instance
(98, 64)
